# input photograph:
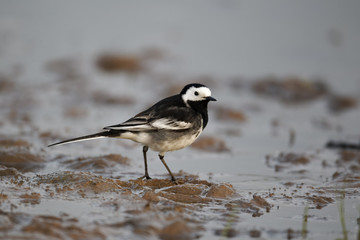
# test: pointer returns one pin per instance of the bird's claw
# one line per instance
(145, 177)
(174, 181)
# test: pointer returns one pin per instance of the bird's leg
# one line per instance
(167, 168)
(145, 149)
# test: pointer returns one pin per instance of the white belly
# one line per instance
(164, 141)
(174, 144)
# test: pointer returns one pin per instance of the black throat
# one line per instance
(201, 107)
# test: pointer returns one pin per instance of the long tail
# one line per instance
(103, 134)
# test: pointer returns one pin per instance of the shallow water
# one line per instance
(261, 160)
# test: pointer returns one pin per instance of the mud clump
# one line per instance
(98, 164)
(349, 157)
(338, 104)
(3, 197)
(290, 90)
(32, 198)
(159, 195)
(348, 168)
(222, 191)
(5, 171)
(21, 160)
(211, 144)
(227, 232)
(292, 234)
(153, 190)
(186, 188)
(75, 112)
(184, 198)
(189, 191)
(149, 183)
(6, 84)
(6, 222)
(320, 201)
(11, 143)
(315, 197)
(58, 228)
(255, 206)
(254, 233)
(286, 160)
(261, 202)
(151, 196)
(176, 230)
(119, 63)
(81, 183)
(153, 208)
(230, 115)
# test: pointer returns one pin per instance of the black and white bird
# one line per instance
(171, 124)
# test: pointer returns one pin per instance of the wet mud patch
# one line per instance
(5, 171)
(79, 183)
(77, 204)
(229, 114)
(290, 89)
(349, 160)
(16, 153)
(14, 143)
(23, 161)
(100, 164)
(296, 90)
(339, 175)
(32, 198)
(347, 174)
(257, 206)
(6, 83)
(340, 103)
(45, 227)
(137, 208)
(315, 197)
(320, 201)
(346, 169)
(212, 144)
(75, 112)
(287, 161)
(120, 63)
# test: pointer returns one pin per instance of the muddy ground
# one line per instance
(91, 190)
(279, 158)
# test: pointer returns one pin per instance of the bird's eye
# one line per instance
(196, 93)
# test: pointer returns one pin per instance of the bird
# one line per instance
(171, 124)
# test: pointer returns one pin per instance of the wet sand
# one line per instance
(78, 192)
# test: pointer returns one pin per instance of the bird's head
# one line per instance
(196, 92)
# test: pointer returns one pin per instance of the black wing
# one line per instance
(170, 113)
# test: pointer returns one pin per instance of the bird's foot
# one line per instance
(145, 177)
(174, 181)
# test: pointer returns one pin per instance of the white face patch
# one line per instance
(196, 94)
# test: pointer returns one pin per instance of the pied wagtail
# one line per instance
(171, 124)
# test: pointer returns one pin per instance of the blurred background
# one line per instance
(215, 38)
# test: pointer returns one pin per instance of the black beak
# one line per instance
(210, 98)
